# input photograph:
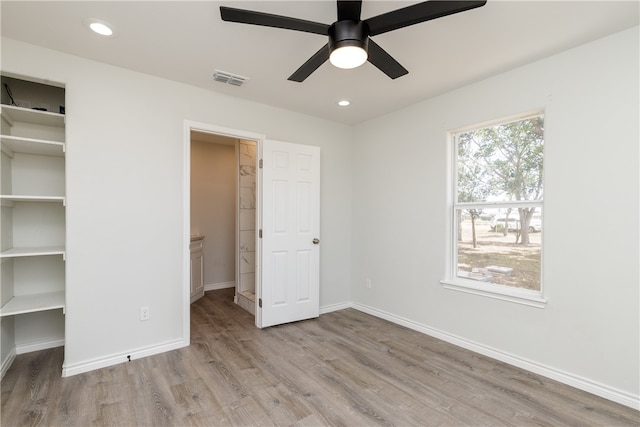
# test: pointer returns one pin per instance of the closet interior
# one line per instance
(33, 220)
(223, 216)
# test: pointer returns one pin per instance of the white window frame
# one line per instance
(527, 297)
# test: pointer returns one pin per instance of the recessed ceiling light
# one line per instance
(343, 103)
(99, 27)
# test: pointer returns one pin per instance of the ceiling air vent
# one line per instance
(226, 77)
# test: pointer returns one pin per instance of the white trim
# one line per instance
(504, 293)
(114, 359)
(221, 285)
(593, 387)
(498, 204)
(501, 121)
(334, 307)
(186, 231)
(7, 362)
(196, 297)
(39, 345)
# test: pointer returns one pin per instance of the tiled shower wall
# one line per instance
(247, 171)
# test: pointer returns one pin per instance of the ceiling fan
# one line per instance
(350, 43)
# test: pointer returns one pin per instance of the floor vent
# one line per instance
(226, 77)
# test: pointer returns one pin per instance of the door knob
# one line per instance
(316, 241)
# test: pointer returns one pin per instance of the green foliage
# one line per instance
(503, 161)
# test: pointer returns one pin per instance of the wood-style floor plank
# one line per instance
(345, 368)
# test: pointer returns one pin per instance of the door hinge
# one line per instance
(260, 302)
(260, 164)
(260, 233)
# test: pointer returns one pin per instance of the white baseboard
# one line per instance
(246, 303)
(334, 307)
(7, 362)
(593, 387)
(114, 359)
(39, 345)
(221, 285)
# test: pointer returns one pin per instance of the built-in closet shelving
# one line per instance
(32, 199)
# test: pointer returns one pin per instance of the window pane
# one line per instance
(495, 256)
(501, 163)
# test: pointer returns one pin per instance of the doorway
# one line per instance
(220, 212)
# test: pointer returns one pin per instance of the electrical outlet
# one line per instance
(367, 283)
(145, 313)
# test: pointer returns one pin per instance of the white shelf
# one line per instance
(43, 147)
(41, 199)
(26, 115)
(33, 148)
(34, 251)
(32, 303)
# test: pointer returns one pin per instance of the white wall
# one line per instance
(124, 197)
(590, 327)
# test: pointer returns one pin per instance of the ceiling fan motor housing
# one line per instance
(348, 33)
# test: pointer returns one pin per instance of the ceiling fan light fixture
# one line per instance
(348, 42)
(348, 57)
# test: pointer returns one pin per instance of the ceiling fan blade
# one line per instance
(349, 10)
(417, 13)
(312, 64)
(242, 16)
(385, 62)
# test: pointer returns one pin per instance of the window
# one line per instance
(497, 210)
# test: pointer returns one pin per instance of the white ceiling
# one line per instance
(185, 41)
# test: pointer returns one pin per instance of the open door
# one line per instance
(289, 282)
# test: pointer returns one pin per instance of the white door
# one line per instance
(288, 289)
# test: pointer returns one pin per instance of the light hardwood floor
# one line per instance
(346, 369)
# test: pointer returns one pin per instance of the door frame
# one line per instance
(189, 126)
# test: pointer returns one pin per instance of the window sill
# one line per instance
(519, 296)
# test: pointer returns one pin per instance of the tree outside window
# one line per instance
(498, 203)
